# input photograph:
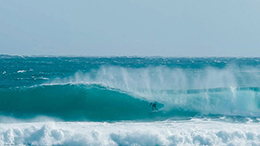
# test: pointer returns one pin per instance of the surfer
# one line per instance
(153, 104)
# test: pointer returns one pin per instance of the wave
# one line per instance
(93, 102)
(74, 103)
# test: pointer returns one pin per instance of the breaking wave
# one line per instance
(81, 102)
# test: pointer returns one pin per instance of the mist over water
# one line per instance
(207, 91)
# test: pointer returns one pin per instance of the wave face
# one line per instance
(121, 88)
(72, 102)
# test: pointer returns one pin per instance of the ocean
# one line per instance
(53, 100)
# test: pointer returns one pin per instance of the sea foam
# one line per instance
(195, 132)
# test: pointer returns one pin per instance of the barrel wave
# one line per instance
(80, 102)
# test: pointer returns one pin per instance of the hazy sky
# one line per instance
(130, 27)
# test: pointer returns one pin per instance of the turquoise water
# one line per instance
(121, 88)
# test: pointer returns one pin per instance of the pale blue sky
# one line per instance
(130, 27)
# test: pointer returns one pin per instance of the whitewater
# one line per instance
(105, 101)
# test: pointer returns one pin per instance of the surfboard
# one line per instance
(155, 111)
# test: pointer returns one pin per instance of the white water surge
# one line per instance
(193, 132)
